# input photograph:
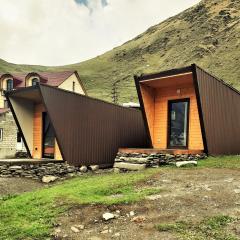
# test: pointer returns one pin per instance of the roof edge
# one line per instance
(166, 73)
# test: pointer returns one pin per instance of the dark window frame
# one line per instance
(169, 123)
(35, 81)
(11, 86)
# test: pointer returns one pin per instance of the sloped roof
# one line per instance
(50, 78)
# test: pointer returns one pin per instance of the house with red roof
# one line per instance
(10, 139)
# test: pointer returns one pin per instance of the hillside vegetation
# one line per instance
(207, 34)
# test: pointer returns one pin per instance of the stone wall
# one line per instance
(38, 171)
(139, 161)
(8, 145)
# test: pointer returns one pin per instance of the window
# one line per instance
(6, 104)
(19, 137)
(34, 81)
(1, 134)
(9, 85)
(73, 87)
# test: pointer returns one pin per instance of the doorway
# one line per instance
(178, 123)
(48, 143)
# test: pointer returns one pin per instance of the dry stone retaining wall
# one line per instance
(38, 171)
(138, 161)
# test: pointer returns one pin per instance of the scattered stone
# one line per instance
(118, 211)
(94, 167)
(186, 163)
(107, 216)
(74, 229)
(83, 169)
(153, 197)
(229, 180)
(80, 227)
(105, 231)
(117, 235)
(48, 179)
(132, 213)
(138, 219)
(237, 190)
(57, 230)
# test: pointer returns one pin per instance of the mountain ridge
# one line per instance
(207, 34)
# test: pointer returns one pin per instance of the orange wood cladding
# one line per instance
(148, 99)
(37, 131)
(156, 108)
(37, 134)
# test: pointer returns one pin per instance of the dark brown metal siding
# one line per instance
(221, 114)
(90, 131)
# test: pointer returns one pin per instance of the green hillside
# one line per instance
(207, 34)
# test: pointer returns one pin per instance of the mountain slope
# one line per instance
(207, 34)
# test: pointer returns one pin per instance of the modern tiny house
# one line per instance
(189, 109)
(81, 130)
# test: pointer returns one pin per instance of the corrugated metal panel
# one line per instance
(90, 131)
(220, 106)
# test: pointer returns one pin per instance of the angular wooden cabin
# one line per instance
(189, 110)
(81, 130)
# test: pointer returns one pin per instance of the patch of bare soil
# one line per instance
(18, 185)
(188, 195)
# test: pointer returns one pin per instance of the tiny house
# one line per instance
(81, 130)
(189, 109)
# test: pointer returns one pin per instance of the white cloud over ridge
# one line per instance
(58, 32)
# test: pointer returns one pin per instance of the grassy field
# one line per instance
(209, 228)
(204, 34)
(32, 215)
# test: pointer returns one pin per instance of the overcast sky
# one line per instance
(58, 32)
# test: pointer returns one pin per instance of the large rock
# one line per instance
(83, 169)
(107, 216)
(48, 179)
(129, 166)
(186, 163)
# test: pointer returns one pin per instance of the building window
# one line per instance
(73, 87)
(6, 104)
(34, 81)
(9, 85)
(19, 137)
(1, 134)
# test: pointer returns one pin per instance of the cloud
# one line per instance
(61, 32)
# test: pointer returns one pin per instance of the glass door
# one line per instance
(48, 138)
(178, 122)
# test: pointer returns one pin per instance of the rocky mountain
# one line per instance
(207, 34)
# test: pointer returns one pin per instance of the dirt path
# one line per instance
(17, 185)
(187, 194)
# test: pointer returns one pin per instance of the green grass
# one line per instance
(31, 215)
(212, 228)
(232, 162)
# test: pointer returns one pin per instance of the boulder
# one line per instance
(83, 169)
(107, 216)
(186, 163)
(129, 166)
(94, 167)
(48, 179)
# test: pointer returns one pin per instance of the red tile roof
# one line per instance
(49, 78)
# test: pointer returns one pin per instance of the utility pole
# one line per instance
(115, 92)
